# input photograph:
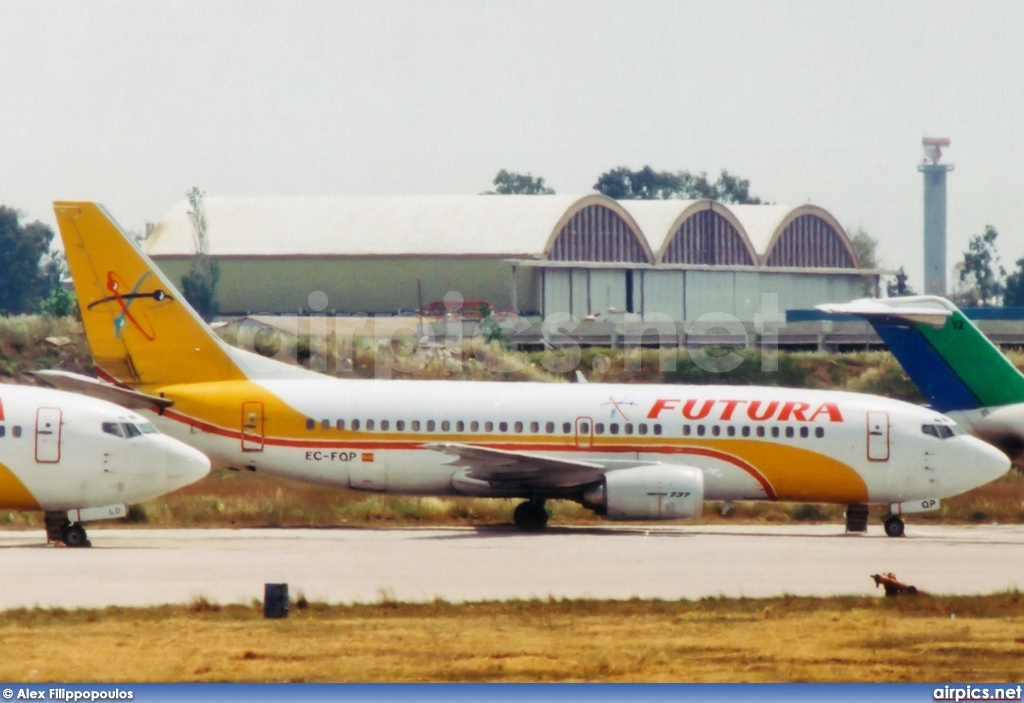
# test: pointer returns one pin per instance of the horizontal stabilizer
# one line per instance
(921, 309)
(125, 397)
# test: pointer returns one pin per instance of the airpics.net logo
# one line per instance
(978, 693)
(454, 333)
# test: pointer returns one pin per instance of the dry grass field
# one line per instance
(783, 639)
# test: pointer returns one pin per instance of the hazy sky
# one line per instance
(133, 103)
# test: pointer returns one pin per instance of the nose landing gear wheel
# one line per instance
(893, 526)
(530, 516)
(74, 536)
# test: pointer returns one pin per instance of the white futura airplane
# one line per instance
(79, 459)
(643, 452)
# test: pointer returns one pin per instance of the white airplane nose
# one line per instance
(186, 465)
(988, 463)
(974, 464)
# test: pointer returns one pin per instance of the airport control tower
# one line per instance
(934, 215)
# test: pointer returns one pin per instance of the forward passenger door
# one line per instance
(878, 436)
(48, 422)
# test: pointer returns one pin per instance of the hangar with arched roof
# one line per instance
(537, 254)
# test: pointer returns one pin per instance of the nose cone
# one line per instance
(986, 463)
(185, 465)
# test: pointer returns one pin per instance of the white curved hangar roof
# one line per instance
(449, 225)
(555, 227)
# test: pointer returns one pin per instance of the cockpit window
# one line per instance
(147, 428)
(941, 431)
(113, 428)
(124, 430)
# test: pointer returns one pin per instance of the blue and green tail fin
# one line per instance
(947, 357)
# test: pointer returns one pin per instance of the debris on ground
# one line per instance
(893, 587)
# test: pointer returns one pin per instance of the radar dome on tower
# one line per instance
(933, 148)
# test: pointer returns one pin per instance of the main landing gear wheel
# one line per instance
(74, 536)
(530, 516)
(893, 526)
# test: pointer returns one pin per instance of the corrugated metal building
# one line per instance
(536, 254)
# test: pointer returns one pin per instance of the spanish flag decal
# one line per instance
(367, 456)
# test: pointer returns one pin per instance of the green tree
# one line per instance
(510, 183)
(1013, 297)
(491, 330)
(27, 273)
(981, 276)
(53, 271)
(733, 189)
(898, 288)
(199, 285)
(864, 248)
(61, 303)
(646, 184)
(622, 183)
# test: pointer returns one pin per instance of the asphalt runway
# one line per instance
(143, 567)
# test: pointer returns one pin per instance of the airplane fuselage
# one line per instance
(752, 443)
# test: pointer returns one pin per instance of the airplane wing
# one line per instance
(125, 397)
(502, 469)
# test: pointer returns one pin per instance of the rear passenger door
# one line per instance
(252, 426)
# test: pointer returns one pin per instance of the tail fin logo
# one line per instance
(116, 287)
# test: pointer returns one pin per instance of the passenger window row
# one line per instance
(626, 428)
(746, 431)
(613, 428)
(519, 427)
(15, 431)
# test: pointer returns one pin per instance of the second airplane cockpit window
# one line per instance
(941, 431)
(127, 430)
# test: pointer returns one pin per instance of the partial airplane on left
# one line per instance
(79, 459)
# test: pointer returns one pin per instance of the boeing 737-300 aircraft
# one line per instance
(959, 371)
(79, 459)
(643, 452)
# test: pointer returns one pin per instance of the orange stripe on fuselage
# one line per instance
(784, 472)
(13, 493)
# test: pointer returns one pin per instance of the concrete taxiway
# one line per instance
(143, 567)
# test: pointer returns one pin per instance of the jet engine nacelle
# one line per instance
(656, 492)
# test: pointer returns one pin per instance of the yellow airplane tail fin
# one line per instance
(141, 330)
